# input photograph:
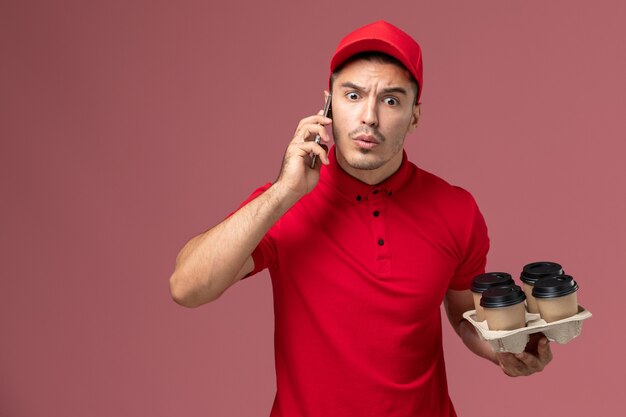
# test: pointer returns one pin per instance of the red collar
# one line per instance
(355, 189)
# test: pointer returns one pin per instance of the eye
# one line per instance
(391, 101)
(352, 96)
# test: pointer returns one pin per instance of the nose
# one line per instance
(370, 112)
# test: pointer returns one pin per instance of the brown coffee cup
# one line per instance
(482, 283)
(556, 297)
(504, 307)
(532, 273)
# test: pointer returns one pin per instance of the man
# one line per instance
(362, 247)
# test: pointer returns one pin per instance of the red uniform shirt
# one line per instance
(359, 273)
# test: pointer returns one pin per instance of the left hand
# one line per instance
(534, 358)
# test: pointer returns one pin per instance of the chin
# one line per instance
(364, 159)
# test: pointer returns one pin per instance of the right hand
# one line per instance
(296, 174)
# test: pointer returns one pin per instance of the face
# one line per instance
(373, 111)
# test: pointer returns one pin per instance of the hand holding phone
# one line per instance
(318, 138)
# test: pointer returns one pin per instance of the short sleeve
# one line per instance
(265, 252)
(475, 247)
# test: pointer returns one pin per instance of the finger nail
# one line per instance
(520, 355)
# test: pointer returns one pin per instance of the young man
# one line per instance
(362, 248)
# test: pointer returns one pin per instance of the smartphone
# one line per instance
(327, 113)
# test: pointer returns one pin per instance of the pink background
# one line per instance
(127, 127)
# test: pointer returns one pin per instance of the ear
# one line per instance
(415, 117)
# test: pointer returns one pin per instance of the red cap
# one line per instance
(386, 38)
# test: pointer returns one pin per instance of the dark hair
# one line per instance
(376, 57)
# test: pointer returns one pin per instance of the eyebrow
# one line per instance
(387, 90)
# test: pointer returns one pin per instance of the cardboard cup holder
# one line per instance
(514, 341)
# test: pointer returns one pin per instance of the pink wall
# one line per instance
(129, 126)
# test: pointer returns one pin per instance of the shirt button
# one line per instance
(376, 213)
(381, 242)
(358, 198)
(375, 192)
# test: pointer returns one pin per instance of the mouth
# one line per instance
(366, 141)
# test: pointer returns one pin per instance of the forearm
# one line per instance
(471, 339)
(215, 260)
(212, 261)
(457, 303)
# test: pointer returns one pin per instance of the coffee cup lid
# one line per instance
(483, 282)
(555, 286)
(502, 296)
(537, 270)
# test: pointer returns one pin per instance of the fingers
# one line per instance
(544, 351)
(530, 363)
(307, 149)
(321, 153)
(536, 362)
(510, 364)
(318, 119)
(299, 173)
(323, 158)
(312, 126)
(308, 133)
(526, 363)
(312, 129)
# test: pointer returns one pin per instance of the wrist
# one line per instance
(283, 195)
